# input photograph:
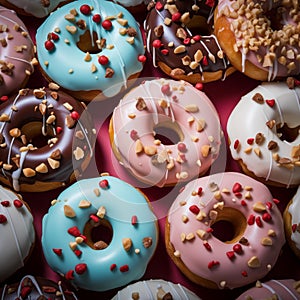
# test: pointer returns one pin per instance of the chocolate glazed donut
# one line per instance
(46, 140)
(181, 42)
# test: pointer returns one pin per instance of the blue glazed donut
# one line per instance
(69, 226)
(90, 47)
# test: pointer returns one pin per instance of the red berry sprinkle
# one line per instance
(181, 147)
(165, 51)
(258, 221)
(49, 45)
(4, 98)
(70, 275)
(133, 135)
(75, 115)
(97, 18)
(199, 192)
(244, 273)
(270, 102)
(77, 252)
(54, 36)
(237, 187)
(25, 291)
(3, 219)
(204, 61)
(134, 220)
(207, 245)
(5, 203)
(276, 201)
(74, 231)
(142, 58)
(267, 217)
(237, 248)
(112, 267)
(18, 203)
(194, 209)
(294, 227)
(199, 86)
(250, 141)
(58, 129)
(236, 144)
(80, 268)
(230, 254)
(243, 203)
(94, 218)
(85, 9)
(57, 251)
(103, 60)
(124, 268)
(197, 38)
(165, 89)
(159, 6)
(251, 220)
(156, 43)
(107, 24)
(176, 17)
(187, 41)
(104, 184)
(212, 264)
(269, 205)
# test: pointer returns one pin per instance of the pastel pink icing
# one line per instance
(167, 103)
(228, 264)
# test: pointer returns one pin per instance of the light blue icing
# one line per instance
(66, 57)
(121, 201)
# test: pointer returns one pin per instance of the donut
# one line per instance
(17, 233)
(287, 289)
(104, 45)
(155, 289)
(35, 287)
(93, 243)
(46, 139)
(291, 223)
(135, 7)
(36, 8)
(181, 42)
(268, 146)
(224, 230)
(161, 108)
(16, 53)
(260, 38)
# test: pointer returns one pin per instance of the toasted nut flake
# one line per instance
(179, 49)
(84, 204)
(69, 211)
(253, 262)
(79, 239)
(266, 241)
(15, 132)
(101, 212)
(295, 153)
(72, 29)
(202, 234)
(53, 86)
(217, 195)
(78, 153)
(200, 125)
(42, 108)
(201, 215)
(190, 236)
(257, 152)
(205, 149)
(42, 168)
(259, 138)
(258, 98)
(73, 245)
(184, 218)
(170, 164)
(127, 244)
(150, 150)
(147, 242)
(139, 148)
(193, 108)
(39, 93)
(182, 237)
(259, 207)
(140, 104)
(28, 172)
(7, 167)
(54, 164)
(4, 118)
(51, 119)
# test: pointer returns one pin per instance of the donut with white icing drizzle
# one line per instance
(181, 41)
(36, 8)
(17, 233)
(260, 38)
(104, 46)
(46, 139)
(165, 104)
(16, 53)
(282, 289)
(34, 287)
(73, 239)
(155, 289)
(268, 145)
(199, 248)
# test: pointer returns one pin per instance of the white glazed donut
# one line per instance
(155, 289)
(263, 133)
(166, 104)
(73, 242)
(103, 43)
(17, 234)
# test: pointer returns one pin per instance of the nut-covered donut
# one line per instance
(268, 145)
(218, 258)
(260, 38)
(46, 139)
(104, 48)
(16, 53)
(175, 40)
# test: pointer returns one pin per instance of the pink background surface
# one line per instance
(224, 94)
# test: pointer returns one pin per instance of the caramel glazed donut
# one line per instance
(16, 53)
(260, 38)
(176, 50)
(196, 245)
(47, 139)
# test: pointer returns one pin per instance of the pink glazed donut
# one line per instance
(172, 107)
(246, 247)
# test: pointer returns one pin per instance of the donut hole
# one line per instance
(229, 226)
(99, 234)
(36, 133)
(168, 132)
(286, 133)
(87, 43)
